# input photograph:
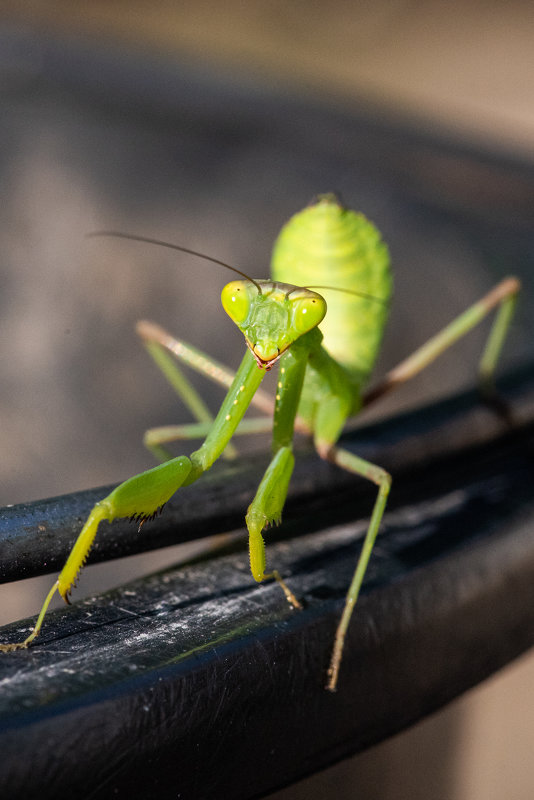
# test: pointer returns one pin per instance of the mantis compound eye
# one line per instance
(236, 301)
(308, 312)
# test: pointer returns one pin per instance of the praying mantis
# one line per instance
(326, 255)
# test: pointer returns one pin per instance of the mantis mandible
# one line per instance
(322, 378)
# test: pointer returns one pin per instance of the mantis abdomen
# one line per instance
(327, 244)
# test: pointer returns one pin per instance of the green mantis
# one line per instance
(323, 372)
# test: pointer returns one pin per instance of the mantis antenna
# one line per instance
(180, 249)
(346, 291)
(133, 237)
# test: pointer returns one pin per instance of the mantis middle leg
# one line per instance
(165, 350)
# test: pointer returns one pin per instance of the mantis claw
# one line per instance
(290, 597)
(10, 648)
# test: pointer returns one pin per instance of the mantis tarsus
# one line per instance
(322, 376)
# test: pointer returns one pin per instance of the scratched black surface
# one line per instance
(169, 685)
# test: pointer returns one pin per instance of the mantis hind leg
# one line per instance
(503, 296)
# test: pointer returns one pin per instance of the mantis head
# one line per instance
(271, 315)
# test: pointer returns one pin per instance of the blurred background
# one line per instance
(209, 124)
